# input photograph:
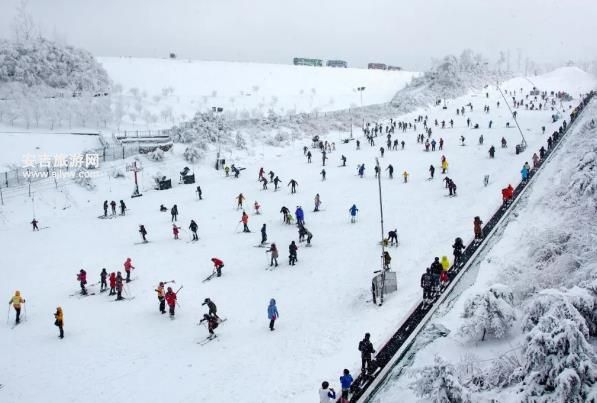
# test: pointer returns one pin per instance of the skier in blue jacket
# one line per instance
(272, 313)
(361, 170)
(300, 215)
(353, 213)
(525, 172)
(346, 382)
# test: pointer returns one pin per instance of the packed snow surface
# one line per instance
(129, 351)
(250, 89)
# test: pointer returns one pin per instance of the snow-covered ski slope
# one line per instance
(552, 206)
(128, 350)
(250, 89)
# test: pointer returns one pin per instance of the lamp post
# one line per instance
(360, 90)
(217, 110)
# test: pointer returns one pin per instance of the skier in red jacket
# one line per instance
(218, 264)
(128, 265)
(171, 301)
(112, 283)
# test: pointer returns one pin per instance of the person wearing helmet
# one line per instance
(161, 298)
(59, 321)
(213, 309)
(16, 302)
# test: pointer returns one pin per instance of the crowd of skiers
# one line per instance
(433, 280)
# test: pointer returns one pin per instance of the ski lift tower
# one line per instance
(135, 168)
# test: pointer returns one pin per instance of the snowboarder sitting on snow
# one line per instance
(274, 251)
(292, 249)
(212, 323)
(82, 279)
(163, 208)
(218, 264)
(213, 309)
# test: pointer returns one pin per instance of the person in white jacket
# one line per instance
(326, 394)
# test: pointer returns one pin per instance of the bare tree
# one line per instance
(24, 28)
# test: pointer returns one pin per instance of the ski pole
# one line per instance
(236, 229)
(178, 290)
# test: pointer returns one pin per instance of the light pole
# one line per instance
(217, 110)
(360, 90)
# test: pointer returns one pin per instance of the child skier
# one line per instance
(59, 316)
(245, 220)
(292, 249)
(175, 230)
(272, 313)
(112, 283)
(212, 323)
(82, 279)
(128, 266)
(103, 280)
(171, 300)
(274, 257)
(353, 213)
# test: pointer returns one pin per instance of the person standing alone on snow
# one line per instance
(16, 302)
(193, 227)
(353, 213)
(272, 313)
(59, 316)
(174, 212)
(263, 235)
(274, 251)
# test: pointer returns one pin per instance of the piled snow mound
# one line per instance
(44, 63)
(452, 77)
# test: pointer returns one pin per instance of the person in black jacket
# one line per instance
(436, 270)
(174, 212)
(292, 248)
(193, 227)
(427, 285)
(366, 349)
(458, 247)
(263, 235)
(213, 310)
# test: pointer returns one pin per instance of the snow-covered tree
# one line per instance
(157, 154)
(490, 313)
(439, 384)
(191, 154)
(560, 364)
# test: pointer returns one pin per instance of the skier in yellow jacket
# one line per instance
(59, 321)
(16, 302)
